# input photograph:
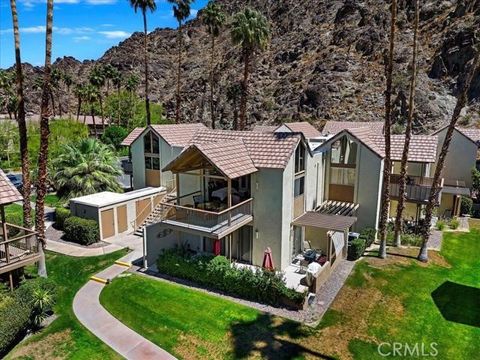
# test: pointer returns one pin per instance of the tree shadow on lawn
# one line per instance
(271, 337)
(458, 303)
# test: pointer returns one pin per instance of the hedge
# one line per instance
(81, 231)
(356, 249)
(466, 206)
(61, 214)
(368, 234)
(262, 286)
(16, 311)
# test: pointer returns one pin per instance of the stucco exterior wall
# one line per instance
(84, 211)
(317, 238)
(287, 211)
(368, 190)
(138, 163)
(461, 158)
(313, 182)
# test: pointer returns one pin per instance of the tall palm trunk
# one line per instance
(147, 95)
(100, 99)
(22, 125)
(408, 134)
(243, 100)
(435, 190)
(179, 69)
(92, 112)
(387, 166)
(212, 69)
(68, 104)
(44, 134)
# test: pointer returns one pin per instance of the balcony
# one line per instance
(19, 250)
(206, 219)
(417, 189)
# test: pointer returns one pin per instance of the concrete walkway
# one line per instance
(122, 339)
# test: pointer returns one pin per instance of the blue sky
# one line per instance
(84, 29)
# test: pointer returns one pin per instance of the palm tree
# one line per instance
(108, 72)
(86, 168)
(387, 165)
(117, 81)
(92, 95)
(46, 113)
(213, 18)
(250, 30)
(68, 82)
(233, 93)
(6, 84)
(22, 125)
(181, 11)
(145, 5)
(408, 134)
(434, 191)
(55, 77)
(97, 79)
(79, 92)
(131, 86)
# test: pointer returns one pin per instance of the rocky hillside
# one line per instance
(325, 61)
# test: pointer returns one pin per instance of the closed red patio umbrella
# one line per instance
(268, 259)
(217, 249)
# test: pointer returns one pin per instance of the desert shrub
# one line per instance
(411, 239)
(368, 234)
(81, 231)
(216, 272)
(441, 225)
(61, 214)
(466, 205)
(454, 224)
(356, 249)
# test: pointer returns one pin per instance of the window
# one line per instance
(156, 163)
(342, 176)
(151, 143)
(156, 145)
(300, 158)
(299, 186)
(148, 163)
(344, 152)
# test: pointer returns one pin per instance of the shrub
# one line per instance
(14, 219)
(411, 239)
(368, 234)
(440, 225)
(454, 224)
(216, 272)
(114, 136)
(81, 231)
(356, 249)
(466, 205)
(61, 214)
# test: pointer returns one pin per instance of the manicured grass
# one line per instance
(474, 223)
(51, 200)
(398, 299)
(66, 338)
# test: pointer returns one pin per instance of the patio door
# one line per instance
(244, 250)
(296, 241)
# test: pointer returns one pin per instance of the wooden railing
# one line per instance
(205, 218)
(417, 189)
(412, 180)
(19, 248)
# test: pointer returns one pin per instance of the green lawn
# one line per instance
(66, 338)
(51, 200)
(397, 300)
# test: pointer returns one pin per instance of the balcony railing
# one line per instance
(417, 188)
(211, 220)
(19, 250)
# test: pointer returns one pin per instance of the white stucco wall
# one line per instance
(138, 163)
(461, 157)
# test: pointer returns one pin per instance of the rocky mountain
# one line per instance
(325, 61)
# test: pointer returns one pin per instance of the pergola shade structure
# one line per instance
(20, 249)
(338, 208)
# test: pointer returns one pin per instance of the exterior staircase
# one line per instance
(157, 214)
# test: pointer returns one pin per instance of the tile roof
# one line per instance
(265, 128)
(423, 148)
(471, 133)
(231, 157)
(8, 193)
(132, 136)
(305, 128)
(174, 134)
(334, 127)
(267, 150)
(178, 134)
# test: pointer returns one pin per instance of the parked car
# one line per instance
(16, 180)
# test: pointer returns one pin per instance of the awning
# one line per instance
(456, 190)
(338, 208)
(325, 221)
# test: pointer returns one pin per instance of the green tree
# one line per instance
(22, 125)
(213, 18)
(476, 183)
(97, 79)
(408, 133)
(46, 113)
(131, 85)
(7, 81)
(181, 11)
(250, 30)
(114, 136)
(55, 78)
(86, 168)
(92, 95)
(145, 5)
(109, 71)
(68, 82)
(117, 81)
